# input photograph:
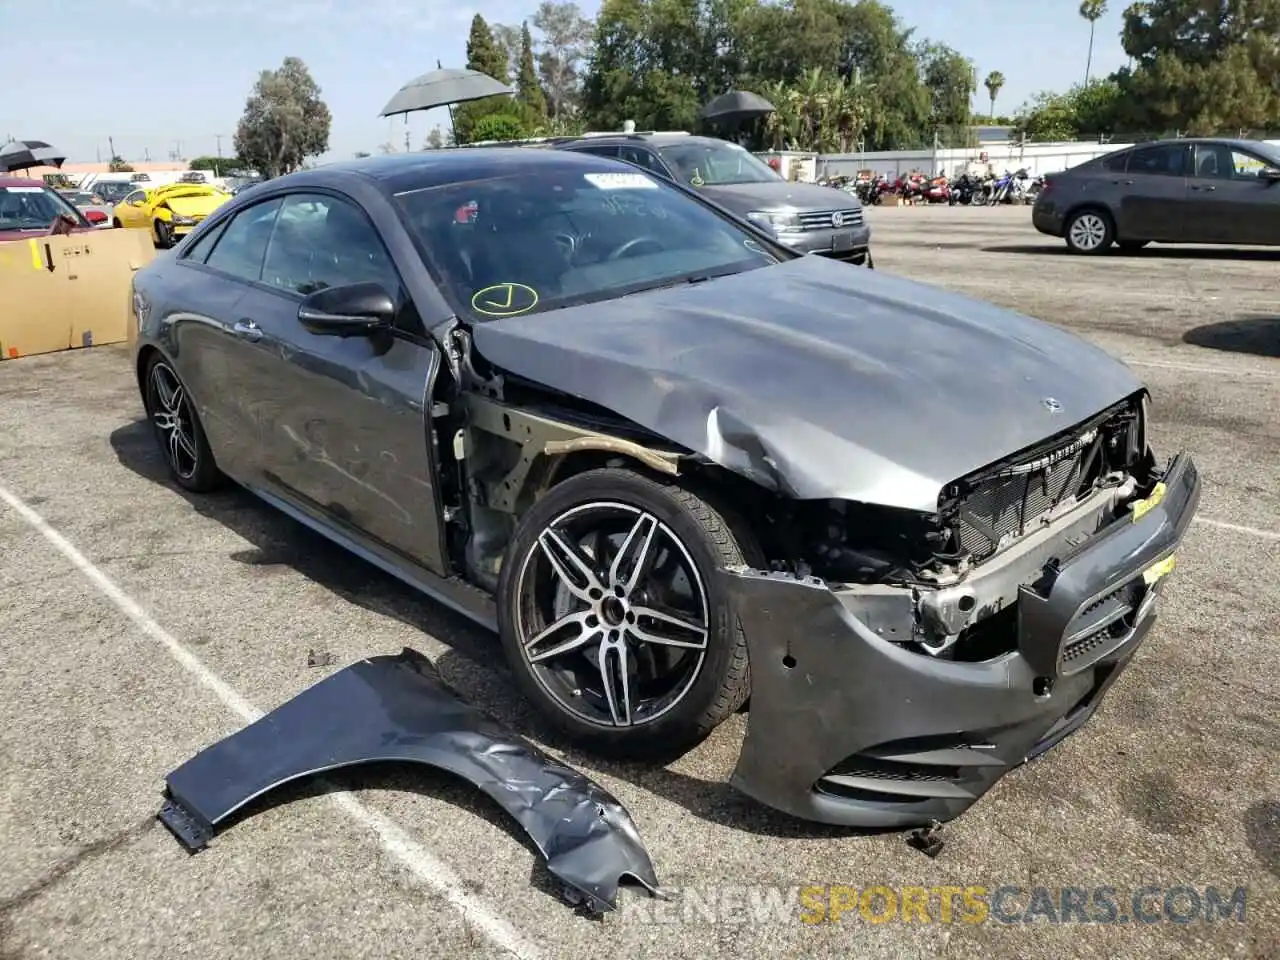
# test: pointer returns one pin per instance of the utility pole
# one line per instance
(406, 139)
(111, 144)
(218, 166)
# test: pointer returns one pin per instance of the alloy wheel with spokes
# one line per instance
(177, 428)
(613, 614)
(1089, 232)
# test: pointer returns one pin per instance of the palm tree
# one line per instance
(1093, 11)
(993, 83)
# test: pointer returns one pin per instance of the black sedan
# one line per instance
(1171, 191)
(675, 463)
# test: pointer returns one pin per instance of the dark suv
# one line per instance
(806, 217)
(1167, 191)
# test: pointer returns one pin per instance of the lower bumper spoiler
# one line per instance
(847, 727)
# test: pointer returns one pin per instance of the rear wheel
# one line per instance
(1089, 232)
(177, 429)
(164, 236)
(613, 617)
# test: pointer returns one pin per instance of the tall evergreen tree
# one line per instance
(528, 88)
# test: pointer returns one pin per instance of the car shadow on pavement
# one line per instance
(472, 665)
(1152, 253)
(1257, 335)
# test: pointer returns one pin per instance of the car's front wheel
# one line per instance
(1089, 232)
(613, 617)
(164, 235)
(177, 428)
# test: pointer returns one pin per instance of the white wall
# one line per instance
(1038, 158)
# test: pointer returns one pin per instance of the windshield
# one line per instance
(34, 208)
(113, 190)
(527, 243)
(709, 164)
(1268, 152)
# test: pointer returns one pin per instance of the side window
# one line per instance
(1166, 159)
(1115, 163)
(199, 251)
(605, 150)
(243, 241)
(643, 158)
(322, 241)
(135, 197)
(1246, 166)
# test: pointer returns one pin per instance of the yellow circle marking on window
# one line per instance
(504, 300)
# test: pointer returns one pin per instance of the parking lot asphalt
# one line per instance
(142, 624)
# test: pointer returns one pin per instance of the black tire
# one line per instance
(116, 224)
(704, 535)
(189, 460)
(1089, 231)
(1131, 246)
(164, 238)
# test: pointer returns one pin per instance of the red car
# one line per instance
(28, 208)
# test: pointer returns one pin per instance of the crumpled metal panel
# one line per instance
(818, 381)
(396, 708)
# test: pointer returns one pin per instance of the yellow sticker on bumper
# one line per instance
(1158, 570)
(1142, 507)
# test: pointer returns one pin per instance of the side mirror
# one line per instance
(352, 310)
(95, 217)
(1270, 174)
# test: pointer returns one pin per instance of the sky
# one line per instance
(164, 76)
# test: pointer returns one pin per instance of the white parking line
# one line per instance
(391, 836)
(1239, 528)
(1200, 368)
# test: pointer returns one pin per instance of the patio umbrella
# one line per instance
(25, 154)
(441, 88)
(736, 106)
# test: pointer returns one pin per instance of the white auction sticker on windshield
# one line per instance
(24, 189)
(620, 181)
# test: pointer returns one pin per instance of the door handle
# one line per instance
(1123, 183)
(247, 330)
(1204, 188)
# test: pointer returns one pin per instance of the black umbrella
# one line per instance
(441, 88)
(736, 106)
(25, 154)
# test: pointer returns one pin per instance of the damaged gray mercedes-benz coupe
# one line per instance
(676, 465)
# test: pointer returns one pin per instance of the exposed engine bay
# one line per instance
(944, 584)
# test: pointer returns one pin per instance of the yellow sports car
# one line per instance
(169, 212)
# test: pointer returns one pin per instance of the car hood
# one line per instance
(818, 379)
(746, 197)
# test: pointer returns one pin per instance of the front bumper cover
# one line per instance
(848, 728)
(395, 708)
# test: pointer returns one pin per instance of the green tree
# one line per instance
(951, 81)
(566, 37)
(1086, 110)
(485, 54)
(528, 87)
(507, 37)
(1200, 67)
(498, 126)
(435, 139)
(1093, 11)
(216, 165)
(284, 121)
(994, 83)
